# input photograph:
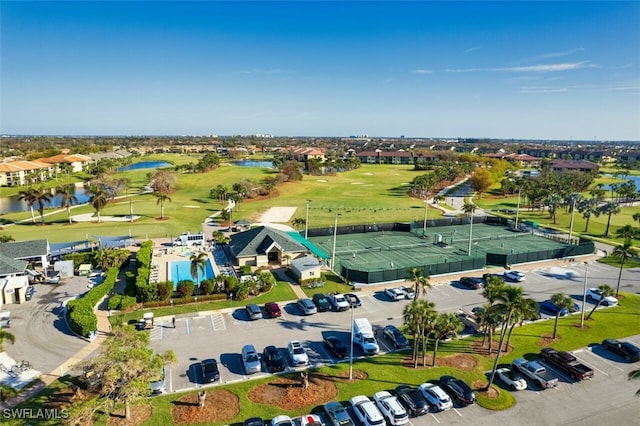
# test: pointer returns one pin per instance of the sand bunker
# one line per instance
(278, 214)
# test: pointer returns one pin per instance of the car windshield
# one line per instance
(369, 340)
(210, 367)
(252, 358)
(298, 350)
(340, 299)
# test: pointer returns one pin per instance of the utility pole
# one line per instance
(424, 226)
(306, 222)
(584, 294)
(333, 252)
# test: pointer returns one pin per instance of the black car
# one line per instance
(486, 277)
(274, 359)
(630, 352)
(395, 336)
(210, 371)
(254, 421)
(321, 302)
(336, 347)
(353, 300)
(473, 283)
(412, 400)
(458, 390)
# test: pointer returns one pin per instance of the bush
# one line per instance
(207, 287)
(185, 288)
(127, 302)
(245, 270)
(165, 290)
(114, 302)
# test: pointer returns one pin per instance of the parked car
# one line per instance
(458, 390)
(253, 421)
(250, 360)
(629, 351)
(253, 311)
(511, 378)
(321, 302)
(436, 396)
(412, 400)
(548, 307)
(338, 301)
(366, 411)
(297, 353)
(159, 385)
(409, 292)
(567, 362)
(210, 371)
(391, 408)
(394, 294)
(515, 276)
(307, 307)
(337, 414)
(273, 359)
(595, 294)
(336, 347)
(310, 420)
(282, 420)
(395, 336)
(353, 300)
(272, 309)
(488, 276)
(473, 283)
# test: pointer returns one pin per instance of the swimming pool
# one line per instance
(181, 271)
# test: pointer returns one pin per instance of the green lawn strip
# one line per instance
(615, 262)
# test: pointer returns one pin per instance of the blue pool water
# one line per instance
(181, 271)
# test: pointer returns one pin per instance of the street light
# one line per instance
(573, 211)
(351, 339)
(306, 221)
(424, 226)
(333, 252)
(584, 294)
(518, 208)
(470, 233)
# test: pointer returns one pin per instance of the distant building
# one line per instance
(306, 154)
(22, 172)
(523, 160)
(573, 165)
(386, 157)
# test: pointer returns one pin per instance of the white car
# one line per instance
(297, 353)
(281, 420)
(394, 294)
(516, 276)
(391, 408)
(408, 292)
(595, 294)
(339, 302)
(366, 411)
(310, 420)
(512, 379)
(436, 396)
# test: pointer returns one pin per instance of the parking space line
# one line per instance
(457, 412)
(188, 327)
(434, 417)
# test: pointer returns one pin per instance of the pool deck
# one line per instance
(164, 255)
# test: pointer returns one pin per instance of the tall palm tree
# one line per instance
(298, 222)
(624, 252)
(421, 283)
(636, 217)
(447, 325)
(553, 201)
(28, 196)
(588, 207)
(527, 310)
(161, 199)
(198, 263)
(606, 291)
(628, 232)
(67, 198)
(415, 316)
(610, 208)
(41, 196)
(98, 198)
(635, 374)
(561, 301)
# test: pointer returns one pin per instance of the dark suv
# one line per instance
(473, 283)
(628, 351)
(321, 302)
(458, 390)
(412, 400)
(274, 359)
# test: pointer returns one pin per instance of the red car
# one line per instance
(272, 309)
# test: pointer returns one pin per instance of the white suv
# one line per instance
(595, 294)
(394, 294)
(366, 411)
(390, 407)
(436, 397)
(297, 353)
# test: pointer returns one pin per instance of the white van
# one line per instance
(363, 336)
(251, 360)
(187, 239)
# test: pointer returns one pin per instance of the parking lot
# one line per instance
(222, 334)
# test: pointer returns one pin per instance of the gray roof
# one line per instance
(9, 266)
(25, 249)
(305, 263)
(257, 240)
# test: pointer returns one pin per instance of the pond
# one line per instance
(14, 204)
(634, 178)
(254, 163)
(144, 165)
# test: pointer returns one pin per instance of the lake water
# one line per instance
(14, 204)
(144, 165)
(634, 178)
(254, 163)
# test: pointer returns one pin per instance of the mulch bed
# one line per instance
(220, 405)
(461, 361)
(289, 394)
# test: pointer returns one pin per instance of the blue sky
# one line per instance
(536, 70)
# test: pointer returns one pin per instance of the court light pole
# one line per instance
(351, 346)
(424, 226)
(573, 211)
(470, 232)
(584, 294)
(333, 252)
(306, 222)
(518, 208)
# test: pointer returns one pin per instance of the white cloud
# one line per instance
(422, 71)
(543, 89)
(552, 55)
(530, 68)
(263, 71)
(472, 49)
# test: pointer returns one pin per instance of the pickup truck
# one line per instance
(535, 372)
(568, 363)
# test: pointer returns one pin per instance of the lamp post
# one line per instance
(584, 294)
(426, 209)
(333, 252)
(470, 233)
(518, 208)
(351, 348)
(573, 211)
(306, 221)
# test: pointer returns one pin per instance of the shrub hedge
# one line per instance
(80, 313)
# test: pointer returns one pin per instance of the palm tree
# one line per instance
(447, 325)
(561, 301)
(421, 283)
(6, 335)
(609, 209)
(198, 263)
(41, 196)
(528, 310)
(635, 374)
(161, 198)
(624, 252)
(553, 201)
(636, 217)
(628, 232)
(28, 196)
(98, 198)
(415, 316)
(67, 199)
(606, 291)
(588, 207)
(298, 222)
